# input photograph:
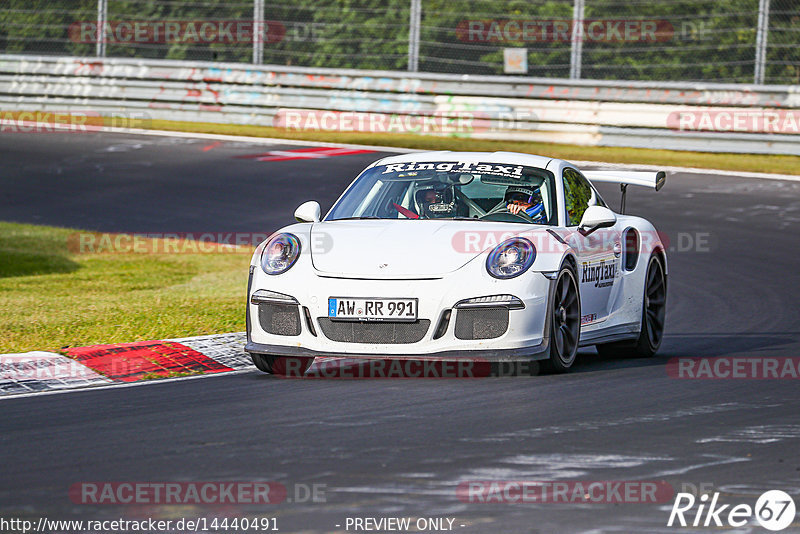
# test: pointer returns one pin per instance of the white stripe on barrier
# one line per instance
(700, 93)
(593, 113)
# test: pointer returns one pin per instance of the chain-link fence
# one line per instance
(736, 41)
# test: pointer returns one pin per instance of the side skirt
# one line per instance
(621, 332)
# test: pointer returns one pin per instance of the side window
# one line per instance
(577, 195)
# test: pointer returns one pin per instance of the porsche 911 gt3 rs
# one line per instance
(450, 255)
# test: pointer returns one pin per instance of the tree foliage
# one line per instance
(709, 40)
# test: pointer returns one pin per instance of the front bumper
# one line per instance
(535, 352)
(525, 338)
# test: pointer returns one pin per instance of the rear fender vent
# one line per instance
(631, 249)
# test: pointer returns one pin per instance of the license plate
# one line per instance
(372, 309)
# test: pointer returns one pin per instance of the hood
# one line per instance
(403, 248)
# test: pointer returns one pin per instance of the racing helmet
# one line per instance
(436, 200)
(532, 196)
(529, 195)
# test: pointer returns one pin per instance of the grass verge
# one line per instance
(52, 297)
(734, 162)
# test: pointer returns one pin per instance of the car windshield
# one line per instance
(451, 190)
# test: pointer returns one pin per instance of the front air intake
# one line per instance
(279, 319)
(383, 333)
(481, 323)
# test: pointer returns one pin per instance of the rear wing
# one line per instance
(655, 180)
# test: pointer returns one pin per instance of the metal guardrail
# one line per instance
(680, 116)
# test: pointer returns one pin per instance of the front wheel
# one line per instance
(654, 308)
(565, 322)
(282, 365)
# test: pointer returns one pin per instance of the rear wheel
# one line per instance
(281, 365)
(653, 313)
(565, 322)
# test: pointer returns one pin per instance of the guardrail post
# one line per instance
(762, 33)
(576, 52)
(102, 16)
(258, 32)
(414, 22)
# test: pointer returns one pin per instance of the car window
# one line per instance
(450, 190)
(578, 195)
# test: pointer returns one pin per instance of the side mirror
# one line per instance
(596, 217)
(308, 212)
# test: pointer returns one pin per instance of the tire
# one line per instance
(654, 307)
(282, 365)
(565, 322)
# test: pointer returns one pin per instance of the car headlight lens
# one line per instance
(511, 258)
(280, 253)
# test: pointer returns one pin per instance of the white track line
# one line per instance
(379, 148)
(264, 140)
(122, 385)
(215, 137)
(399, 150)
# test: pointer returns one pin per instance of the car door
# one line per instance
(598, 253)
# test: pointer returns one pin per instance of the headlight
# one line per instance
(511, 258)
(280, 253)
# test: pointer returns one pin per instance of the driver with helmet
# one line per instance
(524, 199)
(436, 201)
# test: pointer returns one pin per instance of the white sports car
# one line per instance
(450, 255)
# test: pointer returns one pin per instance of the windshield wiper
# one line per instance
(356, 218)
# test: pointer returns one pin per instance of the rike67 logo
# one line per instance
(774, 510)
